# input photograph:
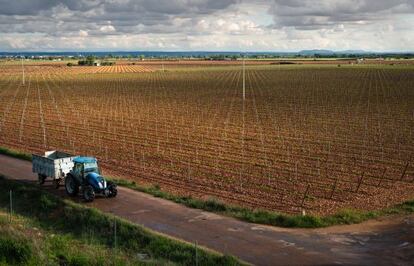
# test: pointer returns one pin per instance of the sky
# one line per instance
(206, 25)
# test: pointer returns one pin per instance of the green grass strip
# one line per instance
(346, 216)
(19, 247)
(15, 154)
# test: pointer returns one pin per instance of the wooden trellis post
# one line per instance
(405, 170)
(360, 181)
(305, 196)
(382, 177)
(334, 188)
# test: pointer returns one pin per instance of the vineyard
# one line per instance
(318, 139)
(63, 69)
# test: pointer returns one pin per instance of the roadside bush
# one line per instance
(107, 63)
(13, 251)
(46, 203)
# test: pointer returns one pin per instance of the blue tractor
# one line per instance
(85, 177)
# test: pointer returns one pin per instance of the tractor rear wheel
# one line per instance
(88, 193)
(70, 186)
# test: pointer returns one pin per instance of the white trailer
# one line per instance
(53, 164)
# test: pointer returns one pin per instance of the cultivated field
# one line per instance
(318, 138)
(63, 69)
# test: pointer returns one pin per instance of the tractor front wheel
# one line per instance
(113, 191)
(70, 186)
(88, 193)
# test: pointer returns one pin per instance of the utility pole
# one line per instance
(244, 79)
(22, 72)
(243, 117)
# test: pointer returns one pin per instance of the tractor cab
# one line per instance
(83, 166)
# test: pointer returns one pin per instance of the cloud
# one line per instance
(83, 33)
(272, 25)
(127, 16)
(313, 14)
(107, 28)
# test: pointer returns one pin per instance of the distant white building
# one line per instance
(360, 60)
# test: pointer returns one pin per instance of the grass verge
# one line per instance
(84, 236)
(346, 216)
(15, 154)
(22, 242)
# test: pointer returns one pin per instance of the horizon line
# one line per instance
(350, 51)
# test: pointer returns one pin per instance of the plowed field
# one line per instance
(313, 138)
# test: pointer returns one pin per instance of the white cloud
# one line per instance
(83, 33)
(107, 28)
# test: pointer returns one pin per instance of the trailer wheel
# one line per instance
(41, 179)
(56, 183)
(88, 193)
(70, 186)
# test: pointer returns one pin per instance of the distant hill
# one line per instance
(330, 52)
(353, 52)
(316, 51)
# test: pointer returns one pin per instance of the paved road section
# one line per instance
(380, 242)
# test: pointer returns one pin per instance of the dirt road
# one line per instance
(389, 241)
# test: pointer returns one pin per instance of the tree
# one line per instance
(89, 61)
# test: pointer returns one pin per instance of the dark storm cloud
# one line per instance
(126, 16)
(312, 14)
(24, 7)
(32, 7)
(166, 7)
(169, 7)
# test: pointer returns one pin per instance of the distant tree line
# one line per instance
(107, 63)
(89, 61)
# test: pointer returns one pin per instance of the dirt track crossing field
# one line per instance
(379, 242)
(313, 138)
